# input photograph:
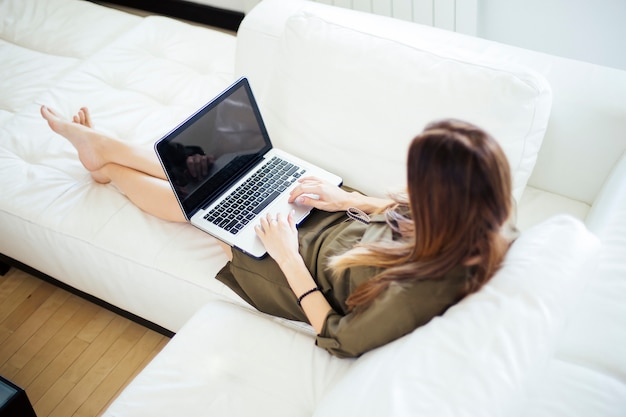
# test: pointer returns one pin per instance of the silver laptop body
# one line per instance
(225, 173)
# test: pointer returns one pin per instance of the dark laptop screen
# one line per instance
(212, 149)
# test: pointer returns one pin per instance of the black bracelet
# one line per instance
(311, 291)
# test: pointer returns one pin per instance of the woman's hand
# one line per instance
(325, 196)
(314, 192)
(280, 237)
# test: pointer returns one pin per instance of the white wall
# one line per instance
(587, 30)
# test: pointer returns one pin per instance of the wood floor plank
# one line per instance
(147, 359)
(4, 334)
(47, 389)
(21, 293)
(99, 372)
(96, 349)
(30, 316)
(81, 366)
(43, 335)
(55, 346)
(101, 321)
(71, 365)
(72, 357)
(10, 298)
(121, 375)
(17, 290)
(11, 281)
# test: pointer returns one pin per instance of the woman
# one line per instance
(360, 283)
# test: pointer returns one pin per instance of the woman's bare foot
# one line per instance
(100, 175)
(81, 135)
(83, 117)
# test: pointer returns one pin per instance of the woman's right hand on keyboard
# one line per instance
(314, 192)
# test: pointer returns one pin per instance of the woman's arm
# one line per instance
(322, 195)
(314, 304)
(280, 238)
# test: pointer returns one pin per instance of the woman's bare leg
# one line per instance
(96, 149)
(134, 170)
(152, 195)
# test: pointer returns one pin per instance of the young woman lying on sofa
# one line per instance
(359, 283)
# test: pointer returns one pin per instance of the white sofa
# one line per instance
(346, 90)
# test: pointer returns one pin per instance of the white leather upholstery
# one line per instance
(141, 76)
(371, 113)
(479, 359)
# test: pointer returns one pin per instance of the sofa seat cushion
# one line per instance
(328, 92)
(53, 217)
(35, 49)
(537, 206)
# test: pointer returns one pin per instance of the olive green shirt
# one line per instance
(398, 311)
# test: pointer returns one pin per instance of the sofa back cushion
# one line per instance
(481, 357)
(352, 101)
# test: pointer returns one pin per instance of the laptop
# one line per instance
(225, 172)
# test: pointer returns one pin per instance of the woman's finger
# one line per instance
(291, 220)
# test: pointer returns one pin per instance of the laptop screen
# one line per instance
(212, 149)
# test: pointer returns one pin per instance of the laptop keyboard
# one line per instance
(257, 192)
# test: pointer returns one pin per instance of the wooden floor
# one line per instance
(71, 356)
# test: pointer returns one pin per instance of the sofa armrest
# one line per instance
(230, 360)
(258, 41)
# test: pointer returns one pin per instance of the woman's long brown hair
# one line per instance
(459, 198)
